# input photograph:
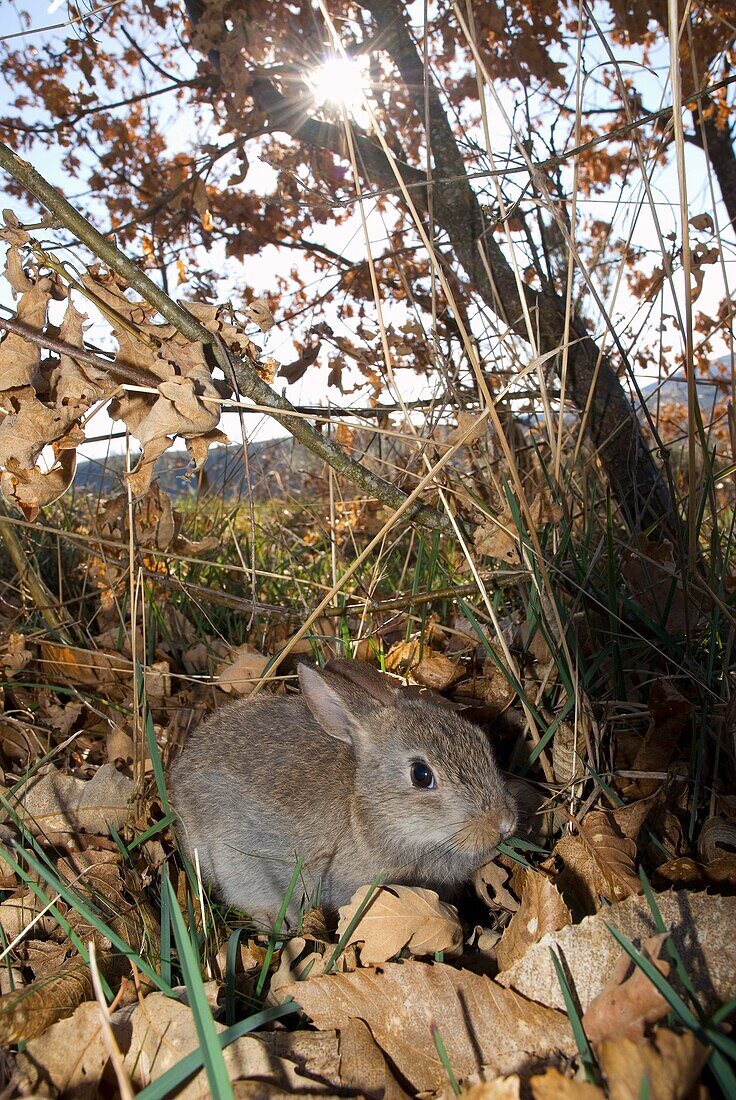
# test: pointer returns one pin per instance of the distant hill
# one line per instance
(673, 391)
(276, 467)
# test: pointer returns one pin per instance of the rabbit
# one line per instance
(358, 776)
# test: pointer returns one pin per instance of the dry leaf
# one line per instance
(465, 422)
(15, 655)
(260, 314)
(17, 912)
(669, 713)
(363, 1067)
(118, 745)
(423, 664)
(598, 862)
(494, 875)
(717, 839)
(480, 1025)
(243, 669)
(541, 910)
(498, 538)
(568, 751)
(54, 802)
(669, 1063)
(19, 358)
(552, 1085)
(500, 1088)
(701, 927)
(94, 668)
(630, 1001)
(702, 222)
(652, 578)
(153, 1035)
(398, 917)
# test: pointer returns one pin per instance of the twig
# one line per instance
(112, 366)
(108, 1035)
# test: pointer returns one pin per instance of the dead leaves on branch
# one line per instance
(44, 400)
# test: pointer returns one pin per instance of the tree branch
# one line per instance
(592, 381)
(250, 384)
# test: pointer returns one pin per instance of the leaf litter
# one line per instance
(87, 833)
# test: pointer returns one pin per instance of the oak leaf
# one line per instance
(701, 926)
(242, 670)
(398, 917)
(598, 862)
(55, 802)
(630, 1001)
(667, 1066)
(482, 1025)
(541, 910)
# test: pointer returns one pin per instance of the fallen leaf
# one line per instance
(717, 838)
(398, 917)
(669, 712)
(154, 1035)
(243, 669)
(94, 668)
(670, 1064)
(541, 910)
(423, 664)
(52, 801)
(494, 875)
(481, 1027)
(553, 1085)
(15, 655)
(363, 1068)
(702, 931)
(654, 582)
(568, 754)
(630, 1001)
(598, 862)
(17, 912)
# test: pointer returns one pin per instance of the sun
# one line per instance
(341, 82)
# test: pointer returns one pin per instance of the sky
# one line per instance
(628, 207)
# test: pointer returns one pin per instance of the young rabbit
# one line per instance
(357, 776)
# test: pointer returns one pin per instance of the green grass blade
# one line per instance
(345, 937)
(214, 1063)
(581, 1039)
(165, 967)
(670, 946)
(276, 930)
(157, 827)
(444, 1058)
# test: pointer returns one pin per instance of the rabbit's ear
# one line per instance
(336, 704)
(381, 687)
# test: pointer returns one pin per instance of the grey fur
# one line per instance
(326, 775)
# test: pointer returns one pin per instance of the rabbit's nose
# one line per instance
(506, 826)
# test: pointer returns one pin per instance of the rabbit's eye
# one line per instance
(422, 775)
